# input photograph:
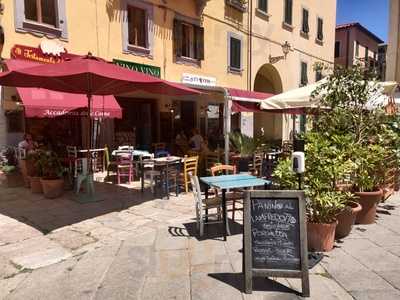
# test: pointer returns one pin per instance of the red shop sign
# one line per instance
(36, 54)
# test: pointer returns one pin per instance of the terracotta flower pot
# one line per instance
(321, 237)
(346, 220)
(369, 202)
(52, 188)
(36, 186)
(24, 172)
(13, 179)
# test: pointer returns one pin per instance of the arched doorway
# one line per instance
(268, 125)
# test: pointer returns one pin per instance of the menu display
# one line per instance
(275, 234)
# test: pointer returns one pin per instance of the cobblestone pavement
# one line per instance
(130, 246)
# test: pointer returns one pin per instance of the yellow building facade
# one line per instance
(221, 43)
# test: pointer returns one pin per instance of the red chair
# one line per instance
(124, 167)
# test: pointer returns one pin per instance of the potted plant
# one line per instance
(283, 176)
(368, 181)
(245, 147)
(34, 170)
(52, 180)
(9, 169)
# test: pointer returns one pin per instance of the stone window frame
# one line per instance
(240, 38)
(40, 29)
(133, 49)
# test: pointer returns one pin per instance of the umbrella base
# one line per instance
(87, 182)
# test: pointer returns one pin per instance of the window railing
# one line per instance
(238, 4)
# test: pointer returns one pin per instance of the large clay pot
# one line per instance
(369, 202)
(36, 185)
(13, 179)
(321, 237)
(346, 220)
(52, 188)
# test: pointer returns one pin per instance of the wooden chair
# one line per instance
(203, 206)
(190, 165)
(212, 159)
(125, 168)
(256, 167)
(232, 197)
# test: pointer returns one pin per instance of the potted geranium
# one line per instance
(245, 146)
(34, 170)
(52, 180)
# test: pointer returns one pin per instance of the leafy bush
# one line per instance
(51, 165)
(244, 144)
(284, 175)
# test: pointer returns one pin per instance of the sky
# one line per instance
(372, 14)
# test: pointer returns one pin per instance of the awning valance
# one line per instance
(43, 103)
(246, 101)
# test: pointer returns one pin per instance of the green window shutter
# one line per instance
(263, 5)
(303, 79)
(235, 48)
(320, 34)
(178, 38)
(288, 11)
(305, 26)
(199, 37)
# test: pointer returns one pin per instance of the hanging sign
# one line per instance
(275, 238)
(142, 68)
(198, 80)
(36, 54)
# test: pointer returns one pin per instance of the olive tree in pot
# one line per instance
(245, 146)
(34, 170)
(52, 180)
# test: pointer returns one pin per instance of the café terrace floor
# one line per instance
(131, 246)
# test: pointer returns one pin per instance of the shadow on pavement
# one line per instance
(211, 231)
(236, 280)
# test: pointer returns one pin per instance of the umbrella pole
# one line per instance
(89, 143)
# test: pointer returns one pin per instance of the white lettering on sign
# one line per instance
(198, 80)
(64, 112)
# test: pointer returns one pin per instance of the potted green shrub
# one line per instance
(52, 178)
(9, 170)
(245, 147)
(34, 170)
(283, 176)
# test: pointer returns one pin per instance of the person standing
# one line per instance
(196, 141)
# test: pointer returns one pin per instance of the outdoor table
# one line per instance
(162, 162)
(132, 152)
(225, 182)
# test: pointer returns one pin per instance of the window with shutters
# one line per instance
(137, 28)
(320, 29)
(188, 41)
(137, 32)
(318, 75)
(46, 17)
(234, 52)
(305, 29)
(288, 12)
(357, 48)
(263, 5)
(303, 74)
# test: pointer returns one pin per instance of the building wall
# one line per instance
(392, 65)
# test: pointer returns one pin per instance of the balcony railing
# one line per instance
(238, 4)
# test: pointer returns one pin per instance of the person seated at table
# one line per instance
(196, 140)
(27, 143)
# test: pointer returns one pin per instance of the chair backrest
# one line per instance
(223, 170)
(20, 153)
(212, 159)
(161, 153)
(257, 164)
(125, 147)
(194, 181)
(124, 159)
(190, 164)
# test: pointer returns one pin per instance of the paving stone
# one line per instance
(381, 236)
(71, 239)
(8, 285)
(393, 249)
(208, 252)
(16, 232)
(173, 263)
(212, 268)
(166, 241)
(373, 295)
(393, 277)
(160, 288)
(6, 268)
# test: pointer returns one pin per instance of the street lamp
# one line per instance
(285, 49)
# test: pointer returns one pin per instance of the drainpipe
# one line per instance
(250, 47)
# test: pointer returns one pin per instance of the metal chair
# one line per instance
(125, 168)
(203, 206)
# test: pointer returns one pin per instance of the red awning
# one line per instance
(246, 101)
(43, 103)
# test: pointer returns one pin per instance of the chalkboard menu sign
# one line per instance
(275, 242)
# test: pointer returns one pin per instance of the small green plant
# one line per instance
(51, 166)
(284, 175)
(34, 166)
(8, 169)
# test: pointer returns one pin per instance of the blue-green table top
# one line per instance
(233, 181)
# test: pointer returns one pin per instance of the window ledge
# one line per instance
(41, 28)
(235, 71)
(319, 42)
(304, 34)
(262, 14)
(137, 50)
(183, 60)
(287, 26)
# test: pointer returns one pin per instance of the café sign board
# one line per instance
(142, 68)
(199, 80)
(37, 55)
(275, 237)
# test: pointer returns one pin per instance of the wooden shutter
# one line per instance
(199, 38)
(48, 12)
(288, 11)
(320, 29)
(304, 79)
(178, 37)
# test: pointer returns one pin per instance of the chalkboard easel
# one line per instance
(275, 237)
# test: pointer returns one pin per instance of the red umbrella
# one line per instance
(91, 76)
